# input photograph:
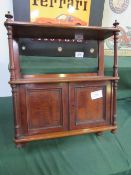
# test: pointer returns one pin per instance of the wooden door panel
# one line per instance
(46, 107)
(87, 110)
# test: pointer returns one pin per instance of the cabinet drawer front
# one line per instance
(90, 104)
(46, 107)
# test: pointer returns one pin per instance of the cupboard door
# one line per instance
(46, 107)
(90, 104)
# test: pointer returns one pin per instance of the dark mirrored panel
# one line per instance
(42, 56)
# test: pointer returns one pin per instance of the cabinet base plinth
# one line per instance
(22, 140)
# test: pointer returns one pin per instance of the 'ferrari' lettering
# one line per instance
(77, 4)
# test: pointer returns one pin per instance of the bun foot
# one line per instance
(20, 145)
(113, 131)
(99, 133)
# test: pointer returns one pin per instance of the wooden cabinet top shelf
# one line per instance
(59, 78)
(33, 30)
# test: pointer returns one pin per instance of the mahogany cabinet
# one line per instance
(61, 102)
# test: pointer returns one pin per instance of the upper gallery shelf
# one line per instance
(34, 30)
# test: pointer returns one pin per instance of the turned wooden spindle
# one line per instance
(13, 73)
(115, 73)
(10, 43)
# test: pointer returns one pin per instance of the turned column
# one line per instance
(13, 74)
(115, 74)
(10, 44)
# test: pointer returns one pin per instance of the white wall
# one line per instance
(5, 90)
(109, 16)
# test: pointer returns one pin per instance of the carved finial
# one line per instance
(8, 15)
(116, 23)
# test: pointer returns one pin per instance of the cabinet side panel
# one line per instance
(23, 110)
